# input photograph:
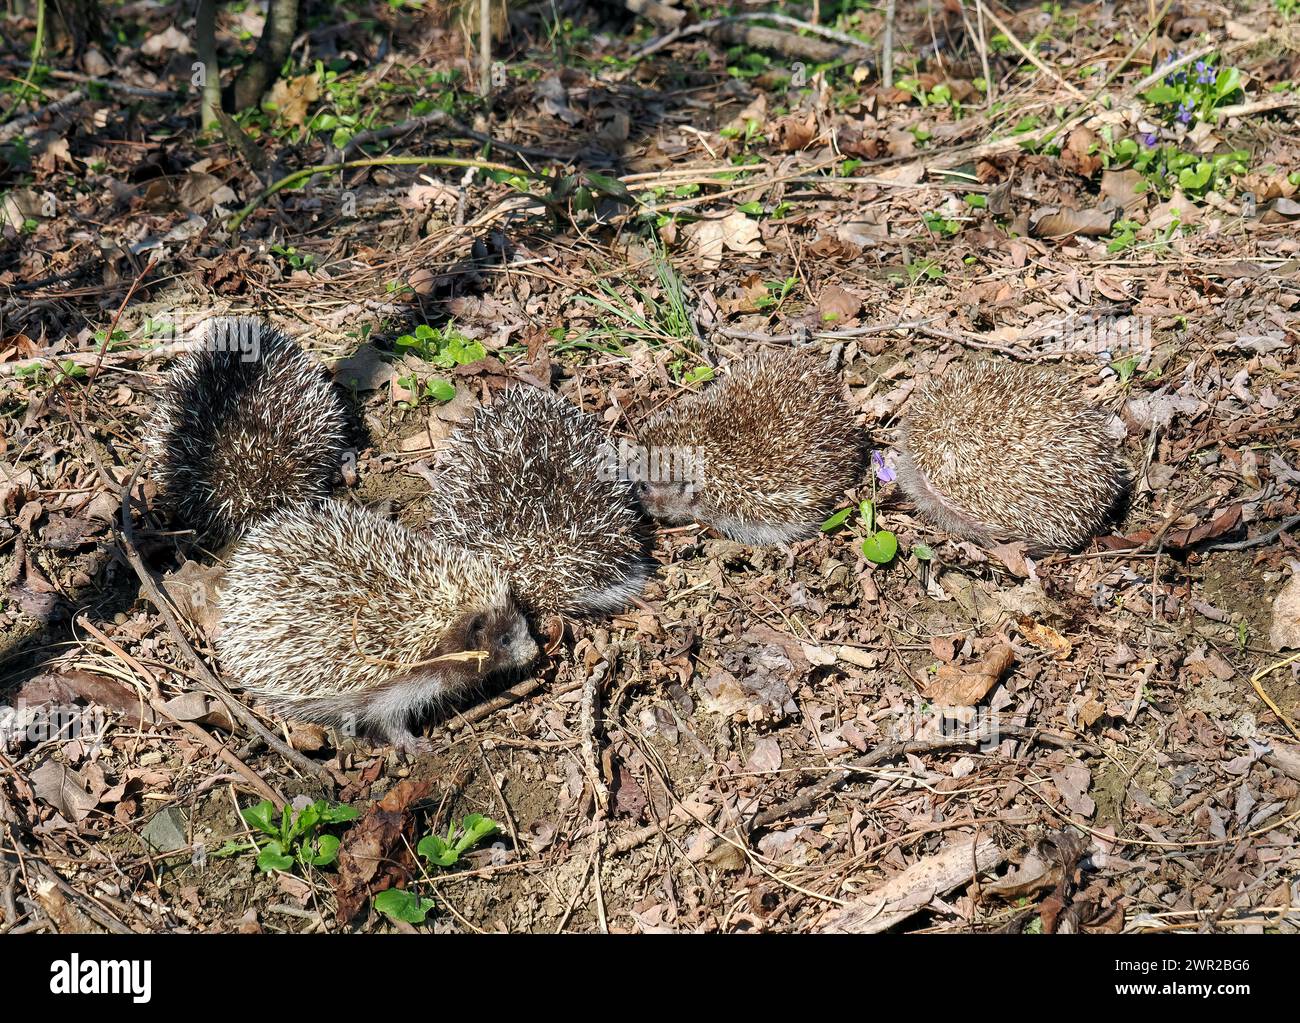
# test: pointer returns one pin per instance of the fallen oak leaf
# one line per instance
(1045, 638)
(965, 685)
(1062, 221)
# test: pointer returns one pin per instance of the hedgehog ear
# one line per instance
(474, 633)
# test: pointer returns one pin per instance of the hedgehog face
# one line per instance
(503, 633)
(672, 502)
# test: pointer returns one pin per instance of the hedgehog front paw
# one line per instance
(410, 743)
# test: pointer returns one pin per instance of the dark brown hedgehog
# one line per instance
(997, 450)
(246, 422)
(534, 485)
(335, 615)
(762, 456)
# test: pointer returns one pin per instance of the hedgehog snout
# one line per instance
(671, 502)
(518, 647)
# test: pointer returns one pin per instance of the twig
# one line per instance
(108, 337)
(485, 48)
(1029, 55)
(1254, 541)
(376, 161)
(587, 725)
(104, 83)
(160, 707)
(887, 46)
(768, 39)
(1259, 676)
(1258, 107)
(16, 126)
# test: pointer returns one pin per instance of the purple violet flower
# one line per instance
(1204, 73)
(1149, 139)
(883, 472)
(1185, 113)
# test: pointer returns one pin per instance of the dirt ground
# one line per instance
(769, 740)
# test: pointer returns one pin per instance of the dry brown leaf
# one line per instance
(735, 231)
(965, 685)
(1062, 221)
(1285, 631)
(1046, 638)
(291, 97)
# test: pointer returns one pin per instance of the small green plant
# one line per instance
(1125, 368)
(1192, 94)
(878, 545)
(446, 347)
(296, 260)
(1123, 235)
(1165, 166)
(1287, 8)
(437, 851)
(920, 270)
(298, 838)
(65, 369)
(777, 293)
(435, 388)
(655, 319)
(940, 226)
(940, 96)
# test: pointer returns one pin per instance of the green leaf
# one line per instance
(1161, 94)
(611, 187)
(880, 547)
(698, 374)
(397, 904)
(442, 390)
(867, 512)
(923, 552)
(752, 209)
(1228, 82)
(262, 817)
(327, 851)
(272, 857)
(436, 850)
(477, 827)
(1193, 180)
(339, 813)
(837, 520)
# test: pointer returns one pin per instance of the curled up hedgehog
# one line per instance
(246, 422)
(997, 450)
(762, 456)
(335, 615)
(533, 484)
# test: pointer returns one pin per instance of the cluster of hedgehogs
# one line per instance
(334, 614)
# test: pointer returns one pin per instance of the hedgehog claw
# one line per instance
(411, 744)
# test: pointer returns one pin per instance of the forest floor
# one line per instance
(780, 739)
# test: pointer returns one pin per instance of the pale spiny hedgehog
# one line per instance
(533, 485)
(335, 615)
(762, 456)
(246, 422)
(997, 450)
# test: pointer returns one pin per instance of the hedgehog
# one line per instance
(335, 615)
(995, 450)
(246, 422)
(533, 484)
(761, 457)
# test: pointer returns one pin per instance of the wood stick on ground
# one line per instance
(887, 46)
(15, 127)
(484, 48)
(912, 890)
(159, 706)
